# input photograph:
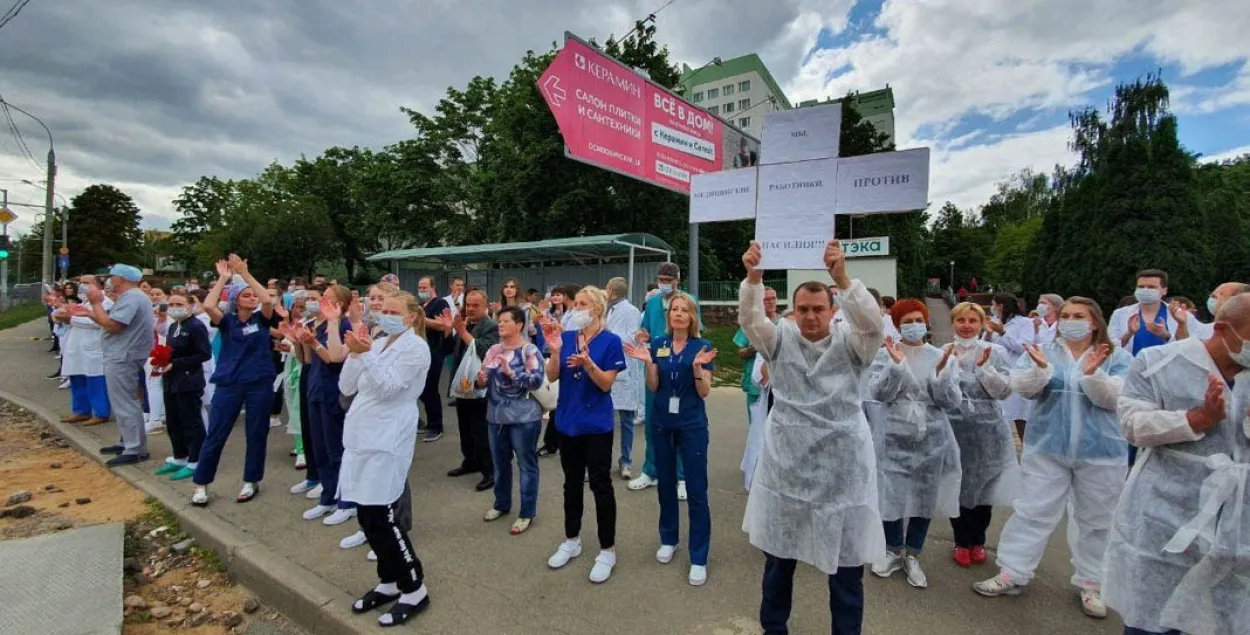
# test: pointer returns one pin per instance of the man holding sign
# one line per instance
(814, 495)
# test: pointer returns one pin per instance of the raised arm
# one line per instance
(239, 266)
(761, 333)
(214, 294)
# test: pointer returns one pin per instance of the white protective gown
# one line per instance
(917, 458)
(624, 320)
(814, 493)
(81, 351)
(987, 452)
(1179, 556)
(380, 431)
(758, 412)
(1016, 334)
(1074, 453)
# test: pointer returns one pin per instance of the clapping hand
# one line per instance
(223, 270)
(892, 349)
(640, 353)
(280, 310)
(1134, 323)
(985, 356)
(553, 334)
(444, 319)
(458, 323)
(704, 357)
(581, 359)
(95, 296)
(358, 340)
(330, 309)
(1036, 354)
(948, 353)
(1095, 358)
(1212, 410)
(1179, 312)
(356, 312)
(1158, 330)
(238, 264)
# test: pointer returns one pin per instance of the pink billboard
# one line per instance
(614, 118)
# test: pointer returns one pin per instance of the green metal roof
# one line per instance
(729, 68)
(873, 102)
(575, 248)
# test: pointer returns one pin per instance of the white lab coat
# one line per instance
(81, 351)
(380, 430)
(1179, 555)
(918, 469)
(814, 493)
(1201, 331)
(1016, 334)
(758, 412)
(1117, 326)
(624, 320)
(210, 366)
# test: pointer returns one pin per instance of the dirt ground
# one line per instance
(169, 585)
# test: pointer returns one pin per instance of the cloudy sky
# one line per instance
(150, 94)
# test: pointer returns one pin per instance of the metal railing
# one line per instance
(725, 292)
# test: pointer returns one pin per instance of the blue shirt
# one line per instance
(676, 371)
(245, 350)
(583, 408)
(323, 378)
(1144, 338)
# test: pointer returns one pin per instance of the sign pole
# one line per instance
(693, 273)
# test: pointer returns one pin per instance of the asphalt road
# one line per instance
(482, 580)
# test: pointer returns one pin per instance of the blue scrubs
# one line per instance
(1145, 339)
(244, 376)
(325, 418)
(679, 416)
(655, 323)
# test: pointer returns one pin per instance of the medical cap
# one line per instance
(126, 272)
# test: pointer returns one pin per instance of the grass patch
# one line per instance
(728, 366)
(22, 313)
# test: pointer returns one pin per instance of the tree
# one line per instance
(203, 207)
(103, 228)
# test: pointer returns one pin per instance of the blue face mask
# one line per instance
(914, 332)
(1212, 305)
(392, 324)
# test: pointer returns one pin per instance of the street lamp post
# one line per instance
(952, 276)
(48, 199)
(64, 220)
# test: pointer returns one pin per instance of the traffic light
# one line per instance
(4, 247)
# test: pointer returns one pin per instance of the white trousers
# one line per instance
(156, 399)
(1051, 486)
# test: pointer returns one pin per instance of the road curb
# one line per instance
(314, 604)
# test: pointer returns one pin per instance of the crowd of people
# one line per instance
(861, 431)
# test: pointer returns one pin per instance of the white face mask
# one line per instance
(1148, 296)
(913, 332)
(666, 289)
(1074, 330)
(965, 342)
(580, 319)
(1043, 310)
(223, 306)
(178, 312)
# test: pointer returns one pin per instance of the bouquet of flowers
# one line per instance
(161, 357)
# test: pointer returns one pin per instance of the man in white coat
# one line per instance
(1189, 324)
(1179, 555)
(813, 497)
(82, 362)
(624, 319)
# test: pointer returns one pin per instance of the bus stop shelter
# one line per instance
(540, 264)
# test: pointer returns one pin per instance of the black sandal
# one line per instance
(401, 613)
(372, 600)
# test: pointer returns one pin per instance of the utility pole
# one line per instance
(4, 262)
(47, 219)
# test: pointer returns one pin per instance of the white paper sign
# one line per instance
(801, 134)
(884, 182)
(794, 217)
(724, 195)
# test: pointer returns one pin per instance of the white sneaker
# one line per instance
(275, 421)
(997, 585)
(301, 487)
(1091, 603)
(200, 497)
(568, 550)
(627, 472)
(888, 564)
(698, 575)
(665, 553)
(64, 384)
(314, 493)
(318, 512)
(642, 482)
(603, 567)
(353, 541)
(339, 517)
(681, 490)
(372, 557)
(915, 575)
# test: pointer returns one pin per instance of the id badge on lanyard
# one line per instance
(674, 402)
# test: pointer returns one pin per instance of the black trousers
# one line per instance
(397, 561)
(474, 438)
(276, 409)
(305, 429)
(431, 397)
(846, 597)
(184, 424)
(971, 525)
(589, 454)
(551, 436)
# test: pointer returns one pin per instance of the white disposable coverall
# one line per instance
(1016, 333)
(1073, 449)
(814, 495)
(917, 457)
(758, 412)
(1179, 556)
(987, 452)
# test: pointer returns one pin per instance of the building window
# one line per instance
(728, 90)
(729, 107)
(744, 104)
(744, 122)
(714, 110)
(713, 93)
(698, 97)
(744, 85)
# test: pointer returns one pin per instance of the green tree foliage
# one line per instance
(103, 228)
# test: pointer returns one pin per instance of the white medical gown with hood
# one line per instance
(1179, 554)
(814, 493)
(917, 457)
(987, 452)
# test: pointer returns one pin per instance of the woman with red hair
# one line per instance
(918, 468)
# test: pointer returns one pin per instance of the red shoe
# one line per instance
(978, 554)
(963, 557)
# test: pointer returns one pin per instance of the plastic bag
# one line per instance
(462, 384)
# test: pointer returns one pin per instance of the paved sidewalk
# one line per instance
(67, 583)
(483, 580)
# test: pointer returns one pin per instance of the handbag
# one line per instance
(548, 394)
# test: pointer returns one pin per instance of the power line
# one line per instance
(17, 134)
(12, 12)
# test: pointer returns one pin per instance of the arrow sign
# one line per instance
(555, 95)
